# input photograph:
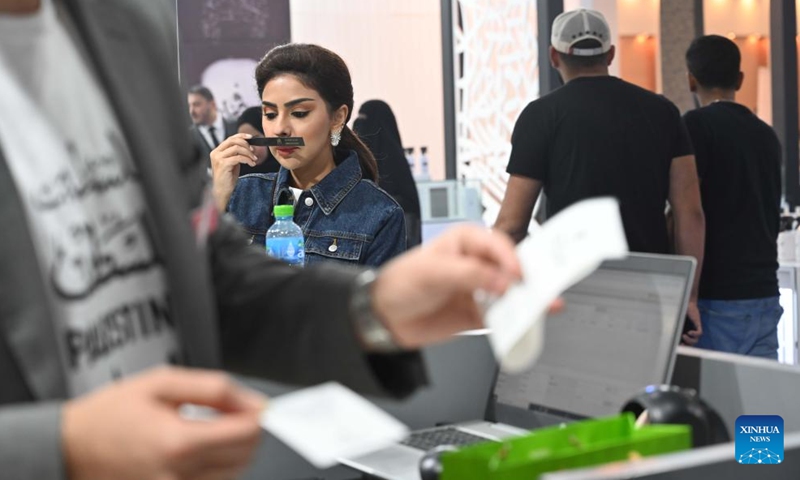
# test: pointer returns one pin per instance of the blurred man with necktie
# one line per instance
(209, 128)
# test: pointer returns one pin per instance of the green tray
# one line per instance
(580, 444)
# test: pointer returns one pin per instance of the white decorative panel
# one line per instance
(496, 75)
(393, 49)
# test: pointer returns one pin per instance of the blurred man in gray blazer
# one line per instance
(113, 263)
(209, 127)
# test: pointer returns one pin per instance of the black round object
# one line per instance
(430, 465)
(668, 404)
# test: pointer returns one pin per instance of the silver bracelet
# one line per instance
(370, 329)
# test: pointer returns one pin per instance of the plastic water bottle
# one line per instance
(424, 174)
(285, 238)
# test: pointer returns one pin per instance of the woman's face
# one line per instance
(261, 152)
(293, 110)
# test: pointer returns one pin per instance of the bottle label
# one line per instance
(289, 249)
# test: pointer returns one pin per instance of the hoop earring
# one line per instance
(336, 137)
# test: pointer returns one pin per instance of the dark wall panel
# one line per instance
(221, 41)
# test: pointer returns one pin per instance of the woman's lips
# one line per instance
(286, 150)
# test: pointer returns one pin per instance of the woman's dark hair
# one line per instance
(714, 61)
(377, 127)
(322, 70)
(377, 115)
(251, 116)
(202, 91)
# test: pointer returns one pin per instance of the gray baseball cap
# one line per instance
(574, 26)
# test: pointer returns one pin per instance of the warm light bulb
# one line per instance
(641, 38)
(731, 36)
(752, 38)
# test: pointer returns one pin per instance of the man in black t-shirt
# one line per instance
(739, 164)
(601, 136)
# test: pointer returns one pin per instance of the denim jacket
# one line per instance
(344, 217)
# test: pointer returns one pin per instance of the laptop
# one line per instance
(617, 333)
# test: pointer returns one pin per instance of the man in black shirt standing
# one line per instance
(739, 164)
(601, 136)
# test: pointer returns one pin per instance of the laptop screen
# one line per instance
(617, 334)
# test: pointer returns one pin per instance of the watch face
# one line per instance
(373, 333)
(379, 335)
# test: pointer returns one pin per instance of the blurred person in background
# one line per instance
(377, 127)
(209, 127)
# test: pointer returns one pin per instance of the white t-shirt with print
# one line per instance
(85, 205)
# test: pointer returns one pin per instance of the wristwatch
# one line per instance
(370, 329)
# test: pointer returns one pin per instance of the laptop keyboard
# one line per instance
(427, 439)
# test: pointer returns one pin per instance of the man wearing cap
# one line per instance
(601, 136)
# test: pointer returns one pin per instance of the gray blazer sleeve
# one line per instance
(30, 442)
(293, 325)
